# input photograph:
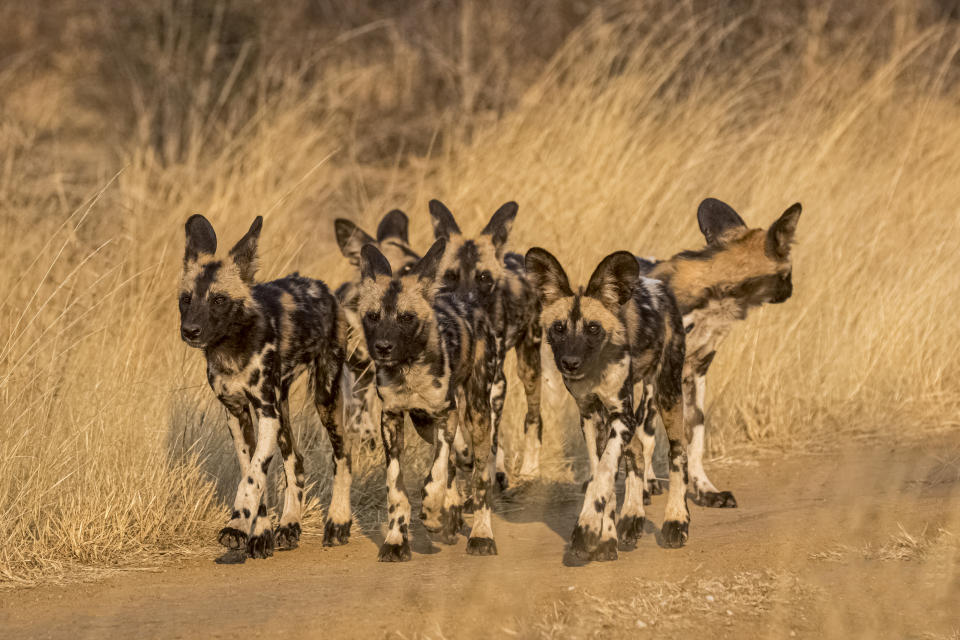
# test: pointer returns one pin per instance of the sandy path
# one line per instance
(791, 509)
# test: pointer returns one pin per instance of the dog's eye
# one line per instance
(594, 329)
(372, 316)
(485, 278)
(451, 277)
(185, 299)
(219, 300)
(558, 327)
(406, 317)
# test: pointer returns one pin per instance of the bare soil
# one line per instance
(815, 549)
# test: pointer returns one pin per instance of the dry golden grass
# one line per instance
(659, 607)
(114, 450)
(939, 547)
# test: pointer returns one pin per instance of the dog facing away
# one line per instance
(258, 338)
(479, 272)
(739, 269)
(432, 356)
(359, 389)
(619, 346)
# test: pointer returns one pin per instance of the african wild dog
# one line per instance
(740, 268)
(618, 343)
(432, 357)
(479, 272)
(358, 383)
(257, 339)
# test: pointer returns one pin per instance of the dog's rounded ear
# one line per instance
(394, 225)
(373, 263)
(500, 224)
(716, 217)
(547, 276)
(444, 226)
(614, 279)
(781, 233)
(350, 239)
(201, 238)
(426, 268)
(244, 253)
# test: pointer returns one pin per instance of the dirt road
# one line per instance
(854, 544)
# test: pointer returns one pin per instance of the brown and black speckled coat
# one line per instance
(479, 272)
(432, 357)
(618, 344)
(739, 269)
(258, 338)
(360, 395)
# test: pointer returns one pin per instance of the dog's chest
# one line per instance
(228, 379)
(413, 388)
(708, 326)
(606, 384)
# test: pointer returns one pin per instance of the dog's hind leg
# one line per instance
(704, 492)
(498, 391)
(529, 371)
(328, 400)
(288, 532)
(676, 517)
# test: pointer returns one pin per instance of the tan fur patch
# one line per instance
(228, 281)
(450, 250)
(395, 254)
(415, 297)
(371, 294)
(189, 276)
(286, 327)
(743, 256)
(559, 310)
(591, 310)
(488, 257)
(515, 284)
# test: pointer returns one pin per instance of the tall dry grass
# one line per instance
(608, 129)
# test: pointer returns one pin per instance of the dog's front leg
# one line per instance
(248, 505)
(396, 546)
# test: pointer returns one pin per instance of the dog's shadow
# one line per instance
(558, 505)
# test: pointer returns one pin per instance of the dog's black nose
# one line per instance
(570, 364)
(383, 348)
(190, 331)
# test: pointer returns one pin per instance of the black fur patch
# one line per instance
(394, 552)
(335, 534)
(705, 363)
(481, 547)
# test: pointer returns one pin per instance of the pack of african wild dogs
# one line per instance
(425, 337)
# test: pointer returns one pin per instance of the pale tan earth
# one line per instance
(816, 549)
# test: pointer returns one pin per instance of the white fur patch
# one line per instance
(340, 512)
(435, 490)
(249, 494)
(531, 454)
(698, 477)
(398, 500)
